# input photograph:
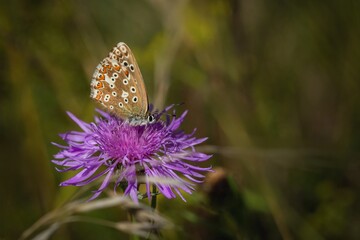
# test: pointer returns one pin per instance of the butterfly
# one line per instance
(117, 84)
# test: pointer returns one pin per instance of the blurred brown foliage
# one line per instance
(273, 84)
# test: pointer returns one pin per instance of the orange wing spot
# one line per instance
(103, 70)
(98, 96)
(117, 67)
(100, 77)
(126, 72)
(106, 67)
(99, 84)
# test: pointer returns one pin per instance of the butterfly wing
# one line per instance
(118, 85)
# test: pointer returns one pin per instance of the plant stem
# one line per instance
(153, 197)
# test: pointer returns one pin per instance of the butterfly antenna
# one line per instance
(174, 111)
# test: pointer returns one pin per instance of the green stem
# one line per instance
(153, 206)
(153, 196)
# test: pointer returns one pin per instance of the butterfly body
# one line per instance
(117, 84)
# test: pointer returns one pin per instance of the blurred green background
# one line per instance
(273, 84)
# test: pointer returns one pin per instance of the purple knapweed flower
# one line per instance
(113, 148)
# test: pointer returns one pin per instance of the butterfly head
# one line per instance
(141, 120)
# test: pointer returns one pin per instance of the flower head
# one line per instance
(113, 148)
